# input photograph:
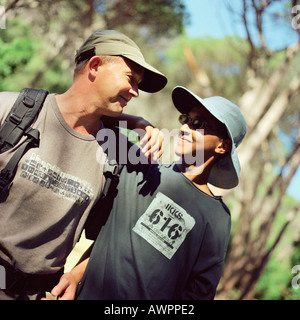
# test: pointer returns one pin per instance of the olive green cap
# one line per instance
(114, 43)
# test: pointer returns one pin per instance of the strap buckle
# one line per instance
(14, 118)
(112, 168)
(33, 135)
(29, 102)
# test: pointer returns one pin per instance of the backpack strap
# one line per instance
(21, 117)
(100, 211)
(16, 125)
(7, 174)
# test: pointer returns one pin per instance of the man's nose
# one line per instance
(134, 91)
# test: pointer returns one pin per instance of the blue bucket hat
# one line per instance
(225, 173)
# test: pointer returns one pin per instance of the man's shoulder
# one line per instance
(7, 99)
(8, 96)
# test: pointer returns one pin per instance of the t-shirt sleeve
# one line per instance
(203, 285)
(7, 99)
(206, 274)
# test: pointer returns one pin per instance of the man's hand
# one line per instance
(152, 143)
(66, 288)
(68, 282)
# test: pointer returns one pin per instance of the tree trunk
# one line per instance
(250, 146)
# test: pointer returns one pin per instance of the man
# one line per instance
(167, 234)
(57, 183)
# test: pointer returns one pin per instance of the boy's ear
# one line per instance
(224, 146)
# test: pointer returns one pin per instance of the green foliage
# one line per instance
(153, 18)
(16, 50)
(55, 79)
(275, 281)
(22, 58)
(13, 54)
(293, 293)
(272, 283)
(163, 14)
(33, 48)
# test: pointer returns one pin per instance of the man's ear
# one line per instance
(224, 146)
(93, 65)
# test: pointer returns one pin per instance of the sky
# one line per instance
(211, 18)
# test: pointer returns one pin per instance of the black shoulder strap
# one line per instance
(100, 212)
(16, 125)
(21, 117)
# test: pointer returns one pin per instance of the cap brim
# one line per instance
(153, 80)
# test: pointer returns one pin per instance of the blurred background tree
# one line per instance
(54, 29)
(37, 50)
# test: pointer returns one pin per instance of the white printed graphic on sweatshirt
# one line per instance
(164, 225)
(62, 184)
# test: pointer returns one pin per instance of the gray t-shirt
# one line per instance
(54, 188)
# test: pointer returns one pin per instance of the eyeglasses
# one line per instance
(197, 122)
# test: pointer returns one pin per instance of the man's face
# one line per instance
(198, 145)
(117, 83)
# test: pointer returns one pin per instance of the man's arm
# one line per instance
(132, 122)
(151, 138)
(69, 281)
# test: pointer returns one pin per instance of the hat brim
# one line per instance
(153, 80)
(225, 173)
(184, 100)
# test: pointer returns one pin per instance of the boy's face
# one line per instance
(194, 145)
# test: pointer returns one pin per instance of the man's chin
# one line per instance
(116, 112)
